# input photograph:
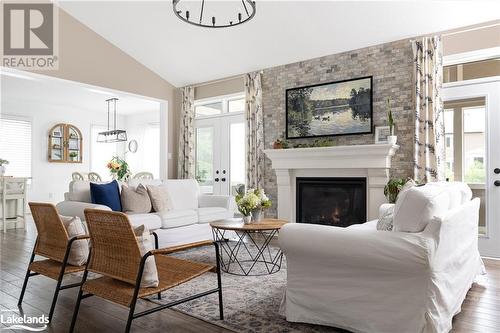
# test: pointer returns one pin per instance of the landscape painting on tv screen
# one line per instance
(336, 108)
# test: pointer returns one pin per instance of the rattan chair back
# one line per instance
(115, 251)
(52, 236)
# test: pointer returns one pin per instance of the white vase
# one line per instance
(392, 139)
(2, 170)
(247, 219)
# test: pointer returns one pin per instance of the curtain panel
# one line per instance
(429, 152)
(254, 131)
(186, 163)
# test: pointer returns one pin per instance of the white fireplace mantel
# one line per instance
(369, 161)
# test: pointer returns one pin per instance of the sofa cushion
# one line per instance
(79, 252)
(145, 242)
(178, 218)
(79, 190)
(210, 214)
(151, 221)
(135, 200)
(107, 195)
(160, 198)
(183, 192)
(416, 207)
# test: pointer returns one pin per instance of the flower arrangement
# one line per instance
(118, 168)
(3, 162)
(252, 202)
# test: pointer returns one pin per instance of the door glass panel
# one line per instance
(237, 156)
(210, 109)
(465, 140)
(204, 158)
(471, 70)
(236, 105)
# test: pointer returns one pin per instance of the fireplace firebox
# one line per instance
(334, 201)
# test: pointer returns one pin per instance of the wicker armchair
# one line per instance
(116, 256)
(54, 244)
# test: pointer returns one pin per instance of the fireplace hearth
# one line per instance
(335, 201)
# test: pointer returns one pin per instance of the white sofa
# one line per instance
(365, 280)
(188, 221)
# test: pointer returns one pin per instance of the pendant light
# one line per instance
(112, 135)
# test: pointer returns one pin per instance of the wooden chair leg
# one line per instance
(28, 274)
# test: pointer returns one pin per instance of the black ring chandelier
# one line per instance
(246, 14)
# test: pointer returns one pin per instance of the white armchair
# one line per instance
(365, 280)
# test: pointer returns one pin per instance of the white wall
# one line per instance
(137, 126)
(50, 180)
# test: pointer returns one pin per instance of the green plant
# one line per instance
(118, 168)
(73, 154)
(3, 162)
(251, 199)
(392, 188)
(390, 119)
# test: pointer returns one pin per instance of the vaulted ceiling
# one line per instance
(282, 31)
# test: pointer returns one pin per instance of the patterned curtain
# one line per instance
(255, 130)
(186, 168)
(429, 158)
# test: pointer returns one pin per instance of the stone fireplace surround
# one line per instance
(370, 161)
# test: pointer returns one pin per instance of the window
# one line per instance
(471, 70)
(15, 145)
(466, 141)
(151, 157)
(219, 106)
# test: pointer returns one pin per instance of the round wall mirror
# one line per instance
(132, 146)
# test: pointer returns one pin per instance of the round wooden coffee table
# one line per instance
(250, 247)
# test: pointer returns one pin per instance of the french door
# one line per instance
(220, 153)
(472, 127)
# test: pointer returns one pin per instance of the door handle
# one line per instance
(497, 183)
(496, 170)
(223, 179)
(216, 180)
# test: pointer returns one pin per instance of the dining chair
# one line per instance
(77, 176)
(117, 258)
(94, 177)
(54, 244)
(13, 189)
(143, 175)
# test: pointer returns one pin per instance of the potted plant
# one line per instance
(73, 155)
(391, 139)
(3, 163)
(280, 144)
(392, 188)
(118, 168)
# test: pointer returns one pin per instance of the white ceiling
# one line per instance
(36, 89)
(282, 31)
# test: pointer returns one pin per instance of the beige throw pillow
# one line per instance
(160, 199)
(135, 201)
(150, 274)
(79, 252)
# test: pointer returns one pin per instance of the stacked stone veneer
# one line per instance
(390, 65)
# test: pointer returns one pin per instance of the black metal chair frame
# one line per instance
(59, 279)
(132, 315)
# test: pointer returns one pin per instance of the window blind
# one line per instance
(15, 146)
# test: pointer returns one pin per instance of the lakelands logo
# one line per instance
(13, 320)
(30, 36)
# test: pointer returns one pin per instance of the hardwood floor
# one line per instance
(480, 310)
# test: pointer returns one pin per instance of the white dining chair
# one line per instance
(13, 189)
(94, 177)
(143, 175)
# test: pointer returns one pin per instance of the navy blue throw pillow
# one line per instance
(107, 195)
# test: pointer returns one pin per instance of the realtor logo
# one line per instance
(29, 35)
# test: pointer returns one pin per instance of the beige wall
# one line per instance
(85, 56)
(474, 39)
(225, 87)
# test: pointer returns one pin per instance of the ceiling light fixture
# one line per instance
(243, 12)
(112, 135)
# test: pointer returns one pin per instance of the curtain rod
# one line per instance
(206, 83)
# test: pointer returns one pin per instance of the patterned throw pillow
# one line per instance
(385, 222)
(160, 199)
(79, 252)
(135, 201)
(150, 274)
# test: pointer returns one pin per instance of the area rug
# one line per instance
(251, 303)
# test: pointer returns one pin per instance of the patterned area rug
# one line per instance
(251, 303)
